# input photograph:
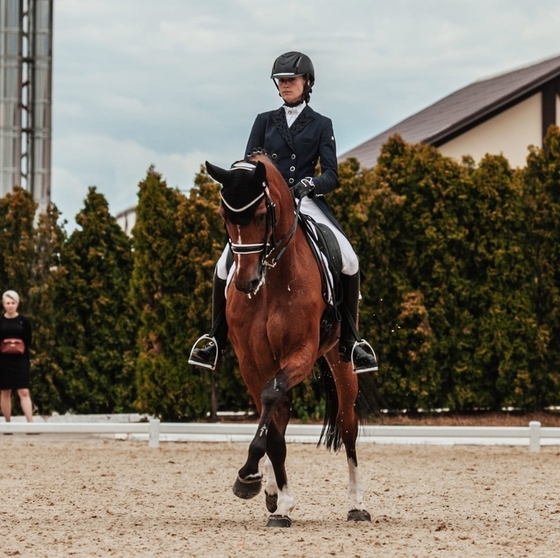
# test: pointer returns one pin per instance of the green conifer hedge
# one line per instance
(460, 281)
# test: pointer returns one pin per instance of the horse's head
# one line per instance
(249, 216)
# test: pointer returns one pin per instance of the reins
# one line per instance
(289, 235)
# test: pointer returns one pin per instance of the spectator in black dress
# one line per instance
(14, 368)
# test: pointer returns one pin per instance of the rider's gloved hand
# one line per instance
(304, 187)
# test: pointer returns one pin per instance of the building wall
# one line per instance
(127, 220)
(508, 133)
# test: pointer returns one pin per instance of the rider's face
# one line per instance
(291, 88)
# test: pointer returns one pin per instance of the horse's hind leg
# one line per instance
(276, 450)
(358, 510)
(279, 499)
(271, 488)
(347, 422)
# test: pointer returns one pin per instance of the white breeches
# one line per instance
(350, 264)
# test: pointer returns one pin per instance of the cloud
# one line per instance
(115, 168)
(173, 82)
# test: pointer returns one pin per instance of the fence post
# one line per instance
(534, 436)
(153, 441)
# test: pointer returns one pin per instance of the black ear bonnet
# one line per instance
(243, 188)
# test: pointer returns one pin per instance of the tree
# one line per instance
(542, 250)
(442, 250)
(177, 241)
(49, 239)
(159, 293)
(202, 240)
(17, 212)
(95, 324)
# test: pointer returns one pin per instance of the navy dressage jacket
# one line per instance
(295, 150)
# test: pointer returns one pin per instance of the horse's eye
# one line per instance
(259, 219)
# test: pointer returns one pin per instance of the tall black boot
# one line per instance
(350, 341)
(207, 356)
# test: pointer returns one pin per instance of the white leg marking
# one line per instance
(286, 502)
(271, 486)
(355, 487)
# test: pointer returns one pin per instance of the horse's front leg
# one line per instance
(249, 478)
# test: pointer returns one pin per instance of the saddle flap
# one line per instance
(327, 254)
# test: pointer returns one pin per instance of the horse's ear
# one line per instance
(218, 174)
(260, 172)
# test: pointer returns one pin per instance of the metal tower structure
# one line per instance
(26, 97)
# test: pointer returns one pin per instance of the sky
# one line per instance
(173, 83)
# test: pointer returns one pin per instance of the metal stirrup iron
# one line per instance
(364, 343)
(211, 339)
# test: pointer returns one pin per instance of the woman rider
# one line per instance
(296, 137)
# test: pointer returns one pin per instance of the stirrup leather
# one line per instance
(369, 349)
(211, 339)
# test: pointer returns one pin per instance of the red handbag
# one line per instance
(12, 347)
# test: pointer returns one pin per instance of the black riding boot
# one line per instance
(206, 356)
(349, 338)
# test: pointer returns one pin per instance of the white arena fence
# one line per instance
(534, 436)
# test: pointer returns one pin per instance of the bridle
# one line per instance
(271, 249)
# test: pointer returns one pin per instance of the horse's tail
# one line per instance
(367, 404)
(329, 433)
(369, 401)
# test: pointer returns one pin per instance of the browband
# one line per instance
(241, 208)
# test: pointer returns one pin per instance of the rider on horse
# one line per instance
(296, 137)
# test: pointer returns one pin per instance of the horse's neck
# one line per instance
(294, 248)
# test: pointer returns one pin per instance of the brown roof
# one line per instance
(457, 112)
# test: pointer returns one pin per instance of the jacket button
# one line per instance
(292, 169)
(293, 155)
(291, 181)
(274, 156)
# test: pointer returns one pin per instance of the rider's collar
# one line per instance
(292, 112)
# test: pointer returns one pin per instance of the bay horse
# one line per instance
(274, 310)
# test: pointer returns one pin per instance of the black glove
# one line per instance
(304, 187)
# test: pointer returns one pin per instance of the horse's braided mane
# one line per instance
(260, 154)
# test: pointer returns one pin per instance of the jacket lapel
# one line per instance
(305, 118)
(279, 119)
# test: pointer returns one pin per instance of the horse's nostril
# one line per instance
(247, 288)
(243, 287)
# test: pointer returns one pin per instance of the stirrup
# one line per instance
(361, 344)
(211, 339)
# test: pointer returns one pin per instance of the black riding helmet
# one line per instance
(293, 64)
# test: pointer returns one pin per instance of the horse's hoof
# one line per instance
(247, 489)
(279, 521)
(358, 515)
(271, 501)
